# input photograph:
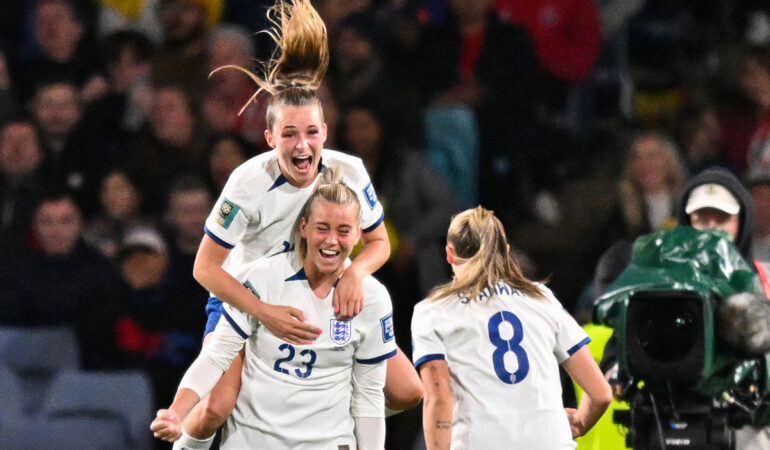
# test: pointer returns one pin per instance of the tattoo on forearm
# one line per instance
(444, 424)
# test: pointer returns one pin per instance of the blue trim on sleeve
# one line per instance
(234, 325)
(375, 225)
(377, 359)
(278, 182)
(426, 358)
(216, 239)
(577, 346)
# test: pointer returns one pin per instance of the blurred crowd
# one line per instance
(577, 121)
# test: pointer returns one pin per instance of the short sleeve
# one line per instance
(241, 322)
(570, 336)
(379, 341)
(227, 222)
(426, 343)
(372, 213)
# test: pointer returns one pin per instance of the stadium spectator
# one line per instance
(69, 162)
(473, 58)
(21, 181)
(699, 135)
(172, 144)
(227, 106)
(182, 58)
(120, 209)
(755, 80)
(759, 188)
(151, 332)
(649, 186)
(227, 152)
(59, 280)
(64, 50)
(188, 206)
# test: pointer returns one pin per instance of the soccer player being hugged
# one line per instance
(255, 213)
(488, 346)
(299, 396)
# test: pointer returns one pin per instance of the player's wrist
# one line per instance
(257, 309)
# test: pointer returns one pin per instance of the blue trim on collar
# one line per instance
(375, 224)
(377, 359)
(578, 346)
(235, 326)
(217, 239)
(281, 180)
(426, 358)
(301, 275)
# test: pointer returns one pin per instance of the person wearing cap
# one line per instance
(713, 199)
(150, 332)
(716, 199)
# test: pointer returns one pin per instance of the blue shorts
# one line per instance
(214, 312)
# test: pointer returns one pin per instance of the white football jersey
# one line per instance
(257, 208)
(503, 350)
(299, 396)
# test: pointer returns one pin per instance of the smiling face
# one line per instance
(298, 136)
(331, 231)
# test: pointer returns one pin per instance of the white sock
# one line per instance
(187, 442)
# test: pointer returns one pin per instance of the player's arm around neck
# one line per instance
(283, 321)
(598, 395)
(349, 294)
(438, 405)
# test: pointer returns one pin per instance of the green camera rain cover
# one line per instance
(705, 262)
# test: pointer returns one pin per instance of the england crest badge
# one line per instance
(339, 331)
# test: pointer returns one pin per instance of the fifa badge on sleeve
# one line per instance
(387, 328)
(370, 195)
(227, 212)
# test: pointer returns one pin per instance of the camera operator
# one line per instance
(713, 199)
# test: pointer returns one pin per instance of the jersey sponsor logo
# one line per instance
(343, 447)
(227, 212)
(370, 195)
(387, 328)
(339, 331)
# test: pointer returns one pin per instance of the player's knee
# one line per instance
(216, 409)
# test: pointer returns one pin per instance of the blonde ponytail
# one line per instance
(297, 68)
(481, 247)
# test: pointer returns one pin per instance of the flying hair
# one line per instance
(331, 189)
(298, 65)
(481, 246)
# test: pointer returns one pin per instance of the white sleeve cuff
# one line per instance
(368, 399)
(370, 433)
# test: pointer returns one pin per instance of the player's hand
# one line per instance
(167, 425)
(575, 422)
(349, 295)
(288, 324)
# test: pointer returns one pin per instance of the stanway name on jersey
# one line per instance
(498, 289)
